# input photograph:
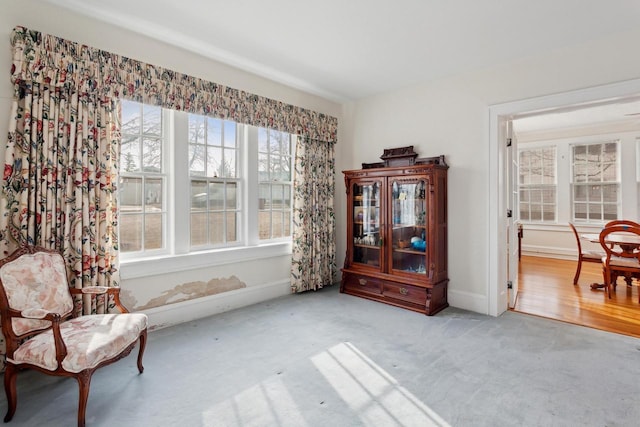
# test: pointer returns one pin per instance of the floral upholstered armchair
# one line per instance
(41, 332)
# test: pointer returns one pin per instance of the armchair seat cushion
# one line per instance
(90, 340)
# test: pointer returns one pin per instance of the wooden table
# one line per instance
(627, 242)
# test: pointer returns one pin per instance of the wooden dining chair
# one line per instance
(584, 256)
(622, 222)
(620, 260)
(42, 332)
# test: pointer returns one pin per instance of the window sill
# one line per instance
(132, 269)
(561, 227)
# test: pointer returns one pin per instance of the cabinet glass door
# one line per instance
(408, 224)
(366, 224)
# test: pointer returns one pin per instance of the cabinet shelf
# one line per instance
(360, 245)
(408, 251)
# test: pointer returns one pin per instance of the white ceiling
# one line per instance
(350, 49)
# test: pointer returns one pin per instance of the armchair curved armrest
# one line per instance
(54, 318)
(113, 291)
(34, 313)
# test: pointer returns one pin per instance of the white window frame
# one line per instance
(539, 186)
(144, 176)
(275, 182)
(602, 203)
(239, 180)
(178, 254)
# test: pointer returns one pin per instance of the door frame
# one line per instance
(499, 113)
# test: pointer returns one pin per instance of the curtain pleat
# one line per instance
(313, 263)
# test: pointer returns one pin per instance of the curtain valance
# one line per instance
(45, 59)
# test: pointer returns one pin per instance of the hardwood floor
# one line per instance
(546, 289)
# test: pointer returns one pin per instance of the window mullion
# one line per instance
(181, 187)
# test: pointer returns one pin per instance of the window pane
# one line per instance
(214, 131)
(196, 160)
(286, 225)
(153, 231)
(152, 116)
(232, 196)
(198, 229)
(214, 162)
(216, 196)
(196, 129)
(277, 197)
(595, 212)
(610, 212)
(229, 163)
(580, 193)
(229, 134)
(216, 230)
(610, 193)
(549, 196)
(131, 117)
(231, 227)
(198, 195)
(130, 233)
(153, 195)
(609, 172)
(549, 212)
(263, 140)
(277, 224)
(131, 195)
(130, 154)
(263, 167)
(595, 194)
(287, 197)
(580, 211)
(152, 155)
(264, 224)
(285, 169)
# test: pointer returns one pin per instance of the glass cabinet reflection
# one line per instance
(367, 240)
(408, 217)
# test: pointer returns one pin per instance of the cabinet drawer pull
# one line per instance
(403, 291)
(362, 281)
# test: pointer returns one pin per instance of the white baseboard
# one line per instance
(550, 252)
(197, 308)
(468, 301)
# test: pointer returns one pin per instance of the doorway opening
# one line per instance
(502, 272)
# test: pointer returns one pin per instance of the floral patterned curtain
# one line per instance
(59, 180)
(314, 237)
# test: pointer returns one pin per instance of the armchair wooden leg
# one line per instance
(10, 374)
(84, 382)
(143, 344)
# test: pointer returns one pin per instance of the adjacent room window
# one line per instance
(142, 188)
(537, 184)
(595, 181)
(275, 185)
(213, 170)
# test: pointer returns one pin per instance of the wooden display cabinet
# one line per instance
(397, 231)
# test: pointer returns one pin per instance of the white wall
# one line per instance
(266, 277)
(451, 117)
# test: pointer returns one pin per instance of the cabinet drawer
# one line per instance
(404, 292)
(362, 284)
